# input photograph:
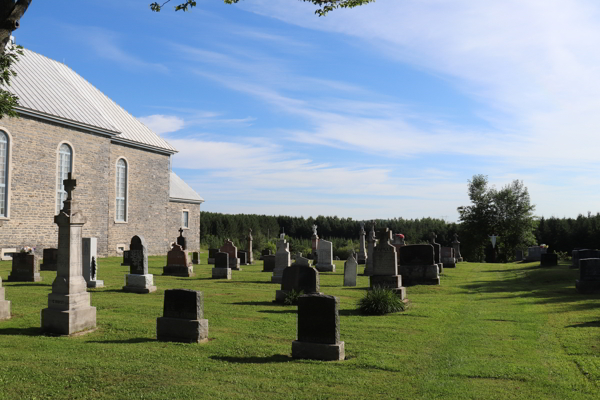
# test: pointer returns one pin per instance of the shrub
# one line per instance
(291, 298)
(379, 301)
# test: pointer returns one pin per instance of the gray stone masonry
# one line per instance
(549, 260)
(298, 277)
(4, 304)
(89, 254)
(589, 276)
(229, 248)
(318, 329)
(69, 310)
(268, 263)
(350, 271)
(282, 260)
(25, 268)
(138, 280)
(325, 257)
(417, 265)
(49, 260)
(178, 263)
(182, 319)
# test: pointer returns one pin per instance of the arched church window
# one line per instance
(121, 203)
(65, 165)
(3, 174)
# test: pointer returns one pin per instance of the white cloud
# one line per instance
(163, 123)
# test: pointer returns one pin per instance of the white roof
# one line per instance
(52, 90)
(181, 191)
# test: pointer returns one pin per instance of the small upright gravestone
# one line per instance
(211, 255)
(89, 255)
(182, 319)
(243, 256)
(178, 263)
(138, 280)
(589, 276)
(325, 257)
(4, 304)
(448, 258)
(549, 260)
(229, 248)
(195, 257)
(126, 260)
(268, 263)
(299, 277)
(25, 268)
(181, 240)
(49, 257)
(318, 329)
(221, 269)
(385, 265)
(350, 271)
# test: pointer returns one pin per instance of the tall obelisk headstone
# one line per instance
(250, 259)
(456, 247)
(362, 251)
(69, 309)
(314, 242)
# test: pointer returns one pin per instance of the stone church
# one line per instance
(125, 185)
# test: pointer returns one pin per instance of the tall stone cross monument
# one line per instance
(249, 248)
(362, 252)
(69, 309)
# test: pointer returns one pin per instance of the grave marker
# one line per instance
(178, 263)
(49, 257)
(25, 268)
(4, 304)
(138, 280)
(417, 265)
(182, 319)
(350, 271)
(325, 257)
(221, 269)
(89, 253)
(589, 276)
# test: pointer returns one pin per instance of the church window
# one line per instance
(185, 219)
(3, 174)
(65, 165)
(121, 213)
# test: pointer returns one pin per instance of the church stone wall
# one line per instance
(174, 222)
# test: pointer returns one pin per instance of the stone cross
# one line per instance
(314, 228)
(69, 185)
(250, 234)
(384, 235)
(456, 238)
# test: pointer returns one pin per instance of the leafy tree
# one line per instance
(507, 213)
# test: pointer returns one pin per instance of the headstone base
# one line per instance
(68, 322)
(221, 273)
(179, 271)
(182, 330)
(420, 274)
(210, 261)
(24, 277)
(587, 287)
(449, 265)
(235, 265)
(95, 284)
(393, 282)
(139, 283)
(318, 351)
(325, 267)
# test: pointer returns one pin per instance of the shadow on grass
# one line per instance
(126, 341)
(264, 282)
(547, 285)
(254, 303)
(275, 358)
(350, 312)
(278, 311)
(33, 331)
(355, 288)
(590, 324)
(9, 283)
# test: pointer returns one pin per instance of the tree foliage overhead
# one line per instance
(507, 213)
(324, 6)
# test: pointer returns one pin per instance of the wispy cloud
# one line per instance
(162, 123)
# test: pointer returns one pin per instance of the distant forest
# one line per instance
(560, 234)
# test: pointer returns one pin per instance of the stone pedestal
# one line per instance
(182, 319)
(4, 304)
(221, 273)
(361, 257)
(69, 309)
(139, 283)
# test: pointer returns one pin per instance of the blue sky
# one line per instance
(381, 111)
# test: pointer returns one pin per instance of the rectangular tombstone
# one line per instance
(89, 254)
(264, 253)
(350, 271)
(385, 260)
(229, 248)
(268, 263)
(195, 257)
(211, 255)
(589, 276)
(282, 261)
(221, 260)
(417, 265)
(126, 261)
(325, 256)
(243, 256)
(182, 319)
(318, 329)
(518, 255)
(4, 304)
(299, 278)
(138, 256)
(549, 260)
(50, 256)
(25, 268)
(534, 253)
(448, 259)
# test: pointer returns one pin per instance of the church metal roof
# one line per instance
(51, 90)
(181, 191)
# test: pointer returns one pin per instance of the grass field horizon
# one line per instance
(489, 331)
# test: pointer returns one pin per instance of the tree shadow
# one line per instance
(590, 324)
(350, 312)
(275, 358)
(355, 287)
(254, 303)
(126, 341)
(9, 283)
(32, 331)
(264, 282)
(278, 311)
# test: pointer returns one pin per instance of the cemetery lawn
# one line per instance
(489, 331)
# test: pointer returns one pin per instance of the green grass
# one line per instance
(489, 331)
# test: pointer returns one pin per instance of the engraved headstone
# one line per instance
(589, 276)
(318, 329)
(4, 304)
(268, 263)
(416, 264)
(385, 265)
(49, 258)
(448, 258)
(195, 257)
(229, 248)
(534, 253)
(138, 280)
(178, 263)
(350, 271)
(325, 257)
(183, 317)
(89, 252)
(298, 277)
(69, 310)
(243, 256)
(25, 268)
(126, 260)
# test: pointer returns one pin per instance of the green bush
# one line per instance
(291, 298)
(379, 301)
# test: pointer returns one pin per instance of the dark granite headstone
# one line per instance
(221, 260)
(50, 257)
(417, 254)
(318, 319)
(243, 256)
(300, 278)
(181, 240)
(138, 256)
(183, 317)
(195, 257)
(269, 263)
(549, 260)
(417, 265)
(589, 275)
(183, 303)
(126, 259)
(518, 255)
(25, 268)
(211, 255)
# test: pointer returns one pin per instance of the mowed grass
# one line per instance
(489, 331)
